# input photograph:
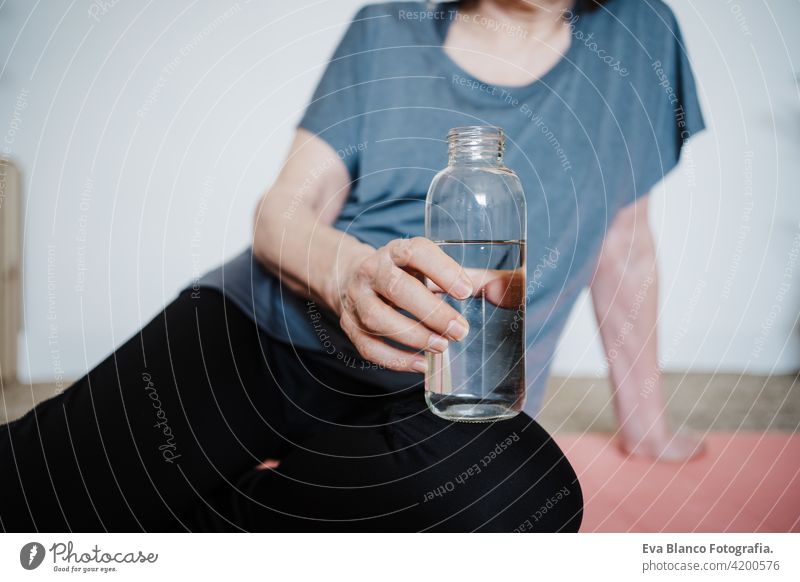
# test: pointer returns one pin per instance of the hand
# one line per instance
(662, 444)
(374, 286)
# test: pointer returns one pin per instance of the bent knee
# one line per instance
(506, 477)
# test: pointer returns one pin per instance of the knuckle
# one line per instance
(350, 298)
(367, 350)
(345, 323)
(394, 283)
(384, 267)
(369, 316)
(401, 250)
(358, 342)
(362, 349)
(365, 271)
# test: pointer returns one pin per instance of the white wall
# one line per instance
(146, 135)
(728, 218)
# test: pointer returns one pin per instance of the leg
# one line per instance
(403, 469)
(185, 405)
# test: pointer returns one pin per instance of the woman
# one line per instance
(297, 351)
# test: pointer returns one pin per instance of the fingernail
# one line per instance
(462, 289)
(457, 329)
(437, 343)
(420, 366)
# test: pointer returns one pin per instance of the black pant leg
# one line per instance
(185, 405)
(407, 470)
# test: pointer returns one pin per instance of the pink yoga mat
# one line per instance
(744, 482)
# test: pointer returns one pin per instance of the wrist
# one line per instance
(344, 265)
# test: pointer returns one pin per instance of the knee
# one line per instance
(554, 507)
(543, 491)
(508, 477)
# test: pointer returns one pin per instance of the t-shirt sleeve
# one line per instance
(675, 113)
(337, 106)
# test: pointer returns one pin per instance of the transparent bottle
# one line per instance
(475, 212)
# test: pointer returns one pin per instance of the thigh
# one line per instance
(186, 404)
(406, 470)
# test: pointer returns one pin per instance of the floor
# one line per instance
(747, 480)
(744, 482)
(702, 402)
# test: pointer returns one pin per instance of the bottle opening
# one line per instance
(476, 144)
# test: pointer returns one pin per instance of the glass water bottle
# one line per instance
(475, 212)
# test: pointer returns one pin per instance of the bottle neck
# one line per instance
(477, 144)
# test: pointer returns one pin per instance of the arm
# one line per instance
(625, 297)
(292, 235)
(294, 239)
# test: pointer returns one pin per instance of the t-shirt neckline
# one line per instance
(441, 26)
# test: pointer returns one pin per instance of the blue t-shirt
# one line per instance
(599, 129)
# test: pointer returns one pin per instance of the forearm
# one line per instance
(301, 247)
(626, 305)
(625, 295)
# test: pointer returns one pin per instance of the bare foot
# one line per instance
(668, 447)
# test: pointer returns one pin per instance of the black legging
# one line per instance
(165, 433)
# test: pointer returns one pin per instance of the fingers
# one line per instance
(374, 349)
(425, 256)
(376, 317)
(504, 288)
(410, 294)
(386, 277)
(501, 287)
(382, 285)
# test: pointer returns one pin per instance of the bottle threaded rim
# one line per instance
(481, 143)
